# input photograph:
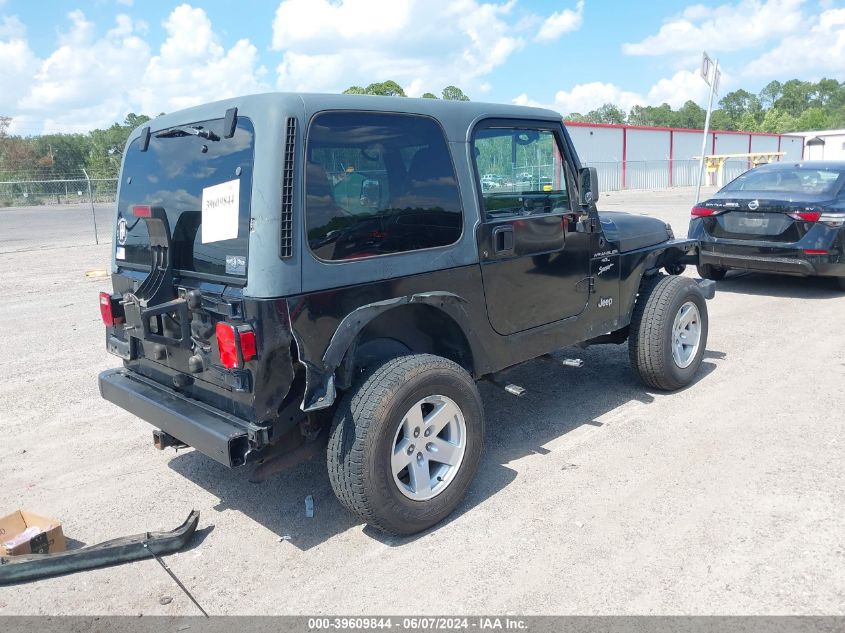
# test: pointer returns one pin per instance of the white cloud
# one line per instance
(683, 86)
(561, 22)
(18, 62)
(424, 45)
(585, 97)
(818, 49)
(726, 27)
(89, 81)
(90, 78)
(192, 66)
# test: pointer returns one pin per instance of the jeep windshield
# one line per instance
(203, 181)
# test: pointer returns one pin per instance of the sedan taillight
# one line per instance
(705, 212)
(806, 216)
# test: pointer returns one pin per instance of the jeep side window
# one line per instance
(377, 184)
(520, 171)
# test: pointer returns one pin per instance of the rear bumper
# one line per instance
(785, 262)
(225, 438)
(762, 263)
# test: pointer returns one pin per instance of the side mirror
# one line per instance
(588, 186)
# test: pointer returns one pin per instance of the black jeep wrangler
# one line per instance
(288, 267)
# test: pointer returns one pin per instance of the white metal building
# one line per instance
(824, 144)
(637, 157)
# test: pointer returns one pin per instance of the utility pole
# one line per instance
(712, 80)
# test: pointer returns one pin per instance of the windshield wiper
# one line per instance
(189, 131)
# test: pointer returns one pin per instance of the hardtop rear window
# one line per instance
(175, 172)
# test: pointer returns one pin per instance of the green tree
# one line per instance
(777, 121)
(739, 102)
(387, 88)
(748, 122)
(770, 94)
(429, 95)
(18, 159)
(453, 93)
(106, 146)
(608, 113)
(719, 120)
(652, 116)
(61, 155)
(813, 119)
(690, 115)
(795, 97)
(133, 120)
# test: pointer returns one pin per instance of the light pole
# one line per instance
(712, 80)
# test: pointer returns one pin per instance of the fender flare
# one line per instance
(320, 385)
(652, 262)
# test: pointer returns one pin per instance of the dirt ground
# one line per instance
(595, 495)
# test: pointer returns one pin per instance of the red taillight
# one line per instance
(105, 309)
(227, 345)
(806, 216)
(704, 212)
(248, 345)
(142, 211)
(815, 251)
(236, 345)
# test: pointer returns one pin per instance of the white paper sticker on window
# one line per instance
(120, 252)
(220, 205)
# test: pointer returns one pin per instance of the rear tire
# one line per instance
(709, 271)
(668, 333)
(390, 419)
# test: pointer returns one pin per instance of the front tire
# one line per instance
(709, 271)
(406, 443)
(668, 333)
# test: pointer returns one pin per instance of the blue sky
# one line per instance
(72, 65)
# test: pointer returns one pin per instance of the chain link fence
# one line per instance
(42, 210)
(659, 174)
(30, 190)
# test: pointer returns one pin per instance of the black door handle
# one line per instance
(503, 239)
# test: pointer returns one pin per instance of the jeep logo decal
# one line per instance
(605, 302)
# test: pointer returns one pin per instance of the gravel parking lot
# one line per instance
(595, 495)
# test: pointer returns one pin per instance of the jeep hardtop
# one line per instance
(290, 267)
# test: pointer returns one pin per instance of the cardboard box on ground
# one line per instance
(23, 532)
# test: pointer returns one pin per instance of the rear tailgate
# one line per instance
(756, 219)
(181, 252)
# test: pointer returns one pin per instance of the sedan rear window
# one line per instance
(794, 180)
